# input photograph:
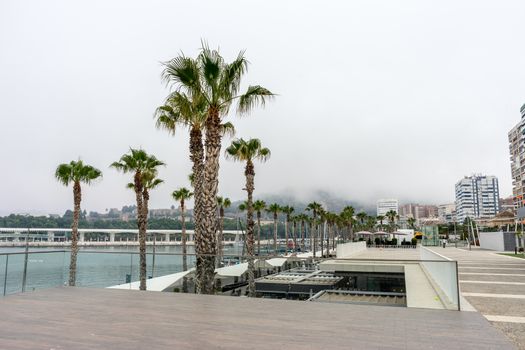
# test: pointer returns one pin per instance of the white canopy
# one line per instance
(381, 233)
(364, 233)
(233, 270)
(157, 284)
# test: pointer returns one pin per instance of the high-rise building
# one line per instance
(477, 196)
(447, 212)
(385, 205)
(517, 160)
(418, 211)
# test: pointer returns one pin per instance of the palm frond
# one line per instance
(255, 95)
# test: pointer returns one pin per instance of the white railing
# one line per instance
(443, 272)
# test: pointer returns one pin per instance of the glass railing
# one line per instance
(39, 269)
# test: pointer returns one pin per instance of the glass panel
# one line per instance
(104, 269)
(44, 270)
(15, 270)
(3, 266)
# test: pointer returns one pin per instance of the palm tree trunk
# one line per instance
(184, 248)
(206, 249)
(327, 239)
(258, 233)
(294, 226)
(197, 158)
(286, 234)
(303, 236)
(143, 222)
(275, 233)
(77, 197)
(250, 175)
(313, 240)
(221, 236)
(321, 238)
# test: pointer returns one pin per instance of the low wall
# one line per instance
(492, 241)
(443, 272)
(346, 250)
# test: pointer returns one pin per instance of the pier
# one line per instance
(61, 237)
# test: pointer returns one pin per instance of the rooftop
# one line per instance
(82, 318)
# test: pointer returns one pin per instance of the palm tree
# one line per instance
(75, 172)
(361, 216)
(302, 218)
(294, 227)
(181, 110)
(316, 209)
(391, 215)
(259, 206)
(247, 151)
(144, 169)
(275, 209)
(210, 79)
(380, 218)
(182, 195)
(287, 210)
(222, 203)
(347, 216)
(411, 222)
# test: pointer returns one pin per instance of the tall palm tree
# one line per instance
(75, 172)
(347, 216)
(380, 218)
(361, 217)
(248, 151)
(315, 208)
(411, 222)
(181, 110)
(287, 210)
(294, 227)
(222, 203)
(217, 83)
(275, 209)
(259, 206)
(182, 195)
(391, 215)
(302, 218)
(144, 169)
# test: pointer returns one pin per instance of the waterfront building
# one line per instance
(506, 204)
(385, 205)
(517, 161)
(447, 212)
(418, 211)
(477, 197)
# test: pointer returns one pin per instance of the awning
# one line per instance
(157, 284)
(233, 270)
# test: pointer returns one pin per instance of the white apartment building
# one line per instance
(447, 212)
(385, 205)
(517, 161)
(477, 196)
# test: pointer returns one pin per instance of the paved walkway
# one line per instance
(495, 286)
(82, 318)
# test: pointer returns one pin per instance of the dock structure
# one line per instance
(86, 318)
(59, 237)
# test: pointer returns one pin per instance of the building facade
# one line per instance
(517, 161)
(385, 205)
(477, 197)
(447, 212)
(418, 211)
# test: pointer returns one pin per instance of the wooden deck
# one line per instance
(82, 318)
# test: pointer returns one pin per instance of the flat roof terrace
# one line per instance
(83, 318)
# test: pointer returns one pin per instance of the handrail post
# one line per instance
(24, 277)
(5, 276)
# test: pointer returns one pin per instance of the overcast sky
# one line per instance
(376, 98)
